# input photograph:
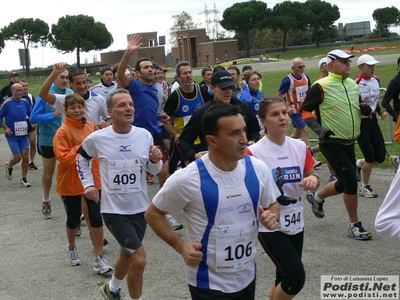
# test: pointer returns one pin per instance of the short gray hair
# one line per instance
(292, 62)
(111, 95)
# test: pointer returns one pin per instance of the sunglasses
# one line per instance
(228, 87)
(301, 67)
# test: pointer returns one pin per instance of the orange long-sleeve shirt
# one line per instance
(67, 141)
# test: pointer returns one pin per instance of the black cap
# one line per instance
(398, 61)
(103, 69)
(13, 74)
(88, 79)
(223, 79)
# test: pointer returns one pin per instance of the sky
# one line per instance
(123, 17)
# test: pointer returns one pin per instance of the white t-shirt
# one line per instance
(96, 107)
(103, 90)
(229, 265)
(124, 160)
(286, 161)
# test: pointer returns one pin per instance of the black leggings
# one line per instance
(285, 252)
(342, 159)
(371, 141)
(247, 293)
(73, 208)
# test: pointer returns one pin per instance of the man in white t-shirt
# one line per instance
(107, 83)
(124, 159)
(96, 104)
(224, 194)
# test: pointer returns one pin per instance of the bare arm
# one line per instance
(269, 217)
(133, 44)
(44, 91)
(159, 223)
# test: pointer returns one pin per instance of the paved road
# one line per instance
(312, 63)
(34, 261)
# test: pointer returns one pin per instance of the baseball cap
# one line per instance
(13, 74)
(337, 54)
(103, 69)
(366, 59)
(88, 79)
(321, 62)
(222, 79)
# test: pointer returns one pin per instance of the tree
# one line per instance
(29, 32)
(1, 42)
(181, 22)
(288, 16)
(244, 16)
(386, 17)
(79, 32)
(322, 16)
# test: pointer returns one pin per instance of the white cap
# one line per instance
(337, 54)
(321, 62)
(366, 59)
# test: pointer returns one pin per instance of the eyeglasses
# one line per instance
(228, 87)
(301, 67)
(344, 61)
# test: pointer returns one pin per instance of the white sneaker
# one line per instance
(46, 210)
(73, 257)
(7, 171)
(317, 163)
(102, 266)
(175, 224)
(23, 183)
(394, 160)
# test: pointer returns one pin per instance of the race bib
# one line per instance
(235, 245)
(124, 176)
(20, 128)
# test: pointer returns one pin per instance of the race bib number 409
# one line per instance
(124, 175)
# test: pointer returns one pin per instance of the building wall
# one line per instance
(153, 52)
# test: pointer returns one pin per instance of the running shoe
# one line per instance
(107, 294)
(79, 231)
(23, 183)
(317, 163)
(332, 177)
(46, 210)
(7, 171)
(358, 169)
(175, 224)
(317, 208)
(73, 257)
(32, 166)
(83, 220)
(358, 232)
(367, 192)
(101, 265)
(149, 179)
(394, 160)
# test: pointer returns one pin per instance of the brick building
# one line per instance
(149, 49)
(193, 46)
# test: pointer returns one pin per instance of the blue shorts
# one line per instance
(297, 121)
(18, 144)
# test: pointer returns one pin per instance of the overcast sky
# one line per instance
(123, 17)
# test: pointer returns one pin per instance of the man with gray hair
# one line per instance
(123, 164)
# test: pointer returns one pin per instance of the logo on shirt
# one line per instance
(283, 157)
(124, 148)
(288, 174)
(185, 108)
(245, 208)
